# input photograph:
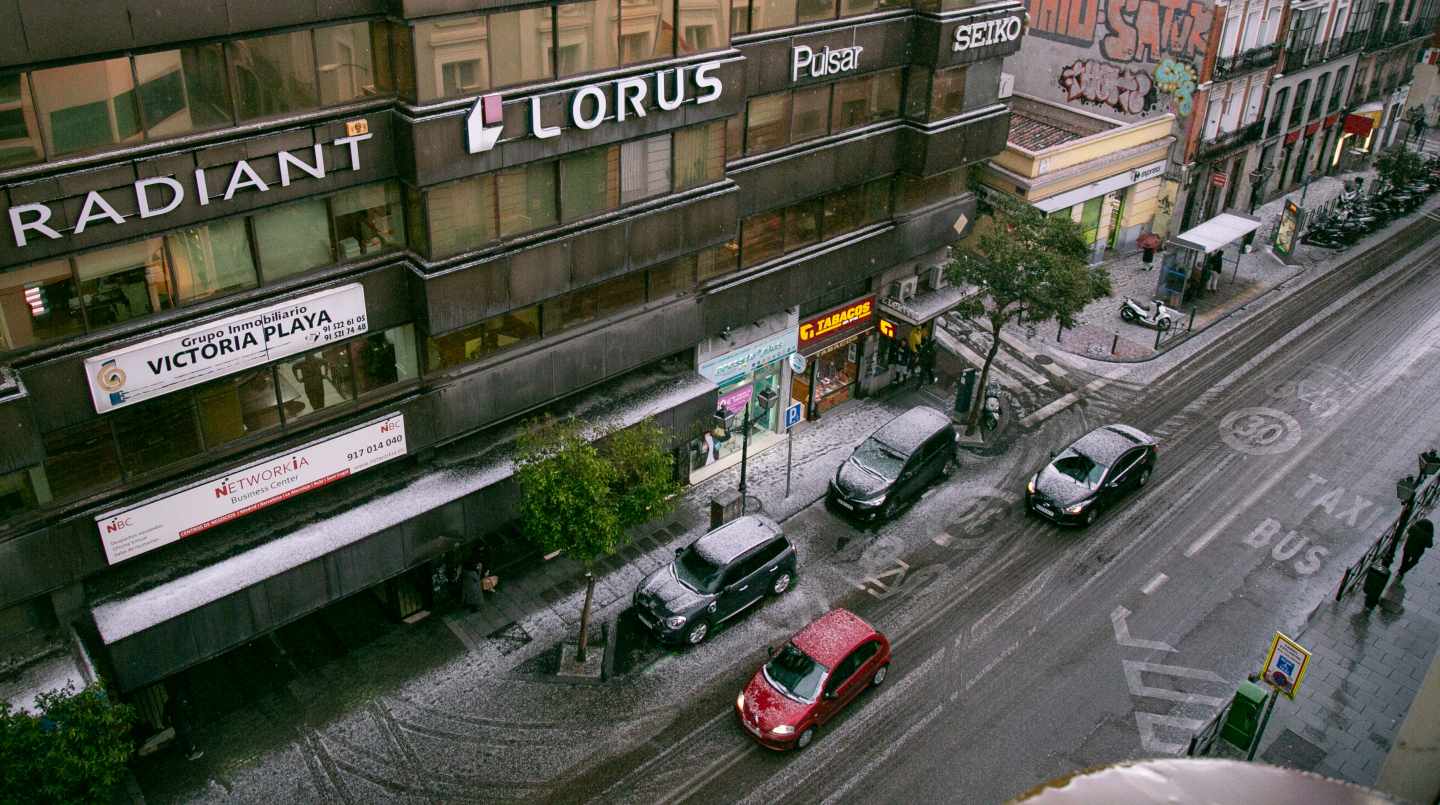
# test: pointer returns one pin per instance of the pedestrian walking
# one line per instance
(1420, 537)
(927, 362)
(904, 359)
(471, 593)
(180, 719)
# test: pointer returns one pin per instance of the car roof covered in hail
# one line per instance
(722, 545)
(1106, 443)
(906, 432)
(829, 638)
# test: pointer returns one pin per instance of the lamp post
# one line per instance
(765, 398)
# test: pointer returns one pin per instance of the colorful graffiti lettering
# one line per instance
(1177, 79)
(1134, 30)
(1099, 83)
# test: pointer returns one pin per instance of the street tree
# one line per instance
(1023, 261)
(74, 749)
(1399, 167)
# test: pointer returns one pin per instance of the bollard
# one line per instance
(1058, 330)
(1158, 332)
(1114, 342)
(1191, 325)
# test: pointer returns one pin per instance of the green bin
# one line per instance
(1243, 720)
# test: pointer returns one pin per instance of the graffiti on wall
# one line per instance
(1100, 83)
(1127, 30)
(1178, 79)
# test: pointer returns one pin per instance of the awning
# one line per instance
(921, 308)
(1082, 194)
(1359, 125)
(1312, 128)
(1292, 137)
(1218, 232)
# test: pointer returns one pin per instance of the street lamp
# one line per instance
(764, 400)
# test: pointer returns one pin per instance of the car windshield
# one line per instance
(697, 572)
(795, 674)
(879, 459)
(1074, 464)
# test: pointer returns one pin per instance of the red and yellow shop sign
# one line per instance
(847, 317)
(887, 328)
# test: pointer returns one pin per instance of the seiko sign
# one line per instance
(987, 32)
(592, 104)
(805, 61)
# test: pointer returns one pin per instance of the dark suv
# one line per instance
(715, 578)
(895, 464)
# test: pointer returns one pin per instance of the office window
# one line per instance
(520, 46)
(699, 155)
(18, 492)
(293, 238)
(368, 220)
(451, 57)
(768, 123)
(864, 100)
(380, 359)
(527, 198)
(678, 276)
(647, 30)
(877, 201)
(914, 193)
(156, 433)
(596, 302)
(487, 337)
(814, 10)
(124, 282)
(589, 37)
(734, 136)
(644, 168)
(947, 93)
(851, 8)
(936, 6)
(590, 182)
(237, 406)
(19, 131)
(38, 303)
(462, 215)
(274, 74)
(762, 237)
(211, 259)
(810, 113)
(717, 261)
(704, 24)
(183, 90)
(346, 62)
(843, 212)
(86, 106)
(768, 14)
(314, 381)
(80, 459)
(802, 224)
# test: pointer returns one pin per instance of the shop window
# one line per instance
(590, 182)
(520, 46)
(717, 261)
(183, 90)
(947, 93)
(645, 168)
(588, 37)
(38, 303)
(762, 237)
(381, 359)
(273, 74)
(18, 492)
(486, 338)
(768, 123)
(156, 433)
(346, 62)
(673, 278)
(864, 100)
(237, 406)
(314, 381)
(704, 24)
(699, 155)
(734, 136)
(19, 132)
(844, 210)
(802, 224)
(451, 57)
(527, 198)
(915, 193)
(211, 259)
(462, 215)
(810, 113)
(368, 220)
(293, 238)
(768, 14)
(80, 459)
(87, 106)
(580, 307)
(647, 30)
(124, 282)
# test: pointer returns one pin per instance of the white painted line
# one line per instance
(1122, 633)
(1051, 409)
(1053, 368)
(1154, 584)
(1138, 688)
(869, 768)
(953, 344)
(1147, 722)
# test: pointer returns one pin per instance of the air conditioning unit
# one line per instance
(904, 290)
(937, 278)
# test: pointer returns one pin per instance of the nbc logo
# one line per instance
(484, 124)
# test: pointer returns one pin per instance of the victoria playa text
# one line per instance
(240, 337)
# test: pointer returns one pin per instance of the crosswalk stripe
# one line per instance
(951, 343)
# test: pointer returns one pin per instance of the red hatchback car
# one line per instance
(809, 680)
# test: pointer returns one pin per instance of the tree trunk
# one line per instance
(585, 617)
(979, 400)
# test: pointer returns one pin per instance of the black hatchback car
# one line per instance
(895, 464)
(1091, 474)
(716, 578)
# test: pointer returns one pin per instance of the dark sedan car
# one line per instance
(716, 578)
(1091, 474)
(895, 465)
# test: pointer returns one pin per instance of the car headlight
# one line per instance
(1030, 487)
(875, 501)
(783, 729)
(675, 622)
(740, 701)
(1077, 508)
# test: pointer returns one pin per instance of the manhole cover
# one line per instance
(1044, 359)
(1097, 350)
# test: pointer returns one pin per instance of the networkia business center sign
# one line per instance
(199, 354)
(157, 522)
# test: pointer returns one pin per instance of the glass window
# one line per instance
(520, 46)
(863, 100)
(124, 282)
(38, 303)
(734, 136)
(274, 74)
(590, 181)
(80, 459)
(763, 237)
(237, 406)
(183, 90)
(814, 10)
(767, 14)
(86, 106)
(380, 359)
(18, 492)
(211, 259)
(527, 198)
(293, 238)
(314, 381)
(947, 93)
(717, 261)
(850, 8)
(645, 168)
(739, 16)
(877, 201)
(802, 224)
(674, 277)
(647, 30)
(589, 39)
(347, 62)
(704, 24)
(489, 336)
(462, 215)
(579, 307)
(367, 220)
(699, 155)
(451, 57)
(19, 132)
(156, 433)
(810, 116)
(844, 211)
(915, 193)
(768, 124)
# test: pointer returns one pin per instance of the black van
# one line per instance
(895, 464)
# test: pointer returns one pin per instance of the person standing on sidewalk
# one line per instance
(1420, 537)
(927, 362)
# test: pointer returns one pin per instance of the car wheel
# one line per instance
(697, 634)
(805, 738)
(1090, 517)
(887, 512)
(782, 583)
(1144, 477)
(879, 675)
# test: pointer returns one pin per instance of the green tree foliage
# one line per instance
(644, 482)
(74, 751)
(1399, 167)
(1024, 261)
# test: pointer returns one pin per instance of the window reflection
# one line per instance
(451, 57)
(704, 24)
(80, 459)
(767, 14)
(368, 220)
(485, 338)
(589, 37)
(293, 238)
(647, 30)
(19, 131)
(38, 303)
(580, 307)
(273, 74)
(520, 46)
(85, 106)
(183, 90)
(346, 62)
(315, 381)
(124, 282)
(211, 259)
(237, 406)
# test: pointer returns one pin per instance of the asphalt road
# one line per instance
(1024, 652)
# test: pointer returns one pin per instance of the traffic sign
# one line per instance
(797, 362)
(792, 414)
(1285, 665)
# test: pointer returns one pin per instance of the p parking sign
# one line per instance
(1285, 665)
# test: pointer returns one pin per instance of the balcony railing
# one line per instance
(1249, 61)
(1298, 58)
(1353, 40)
(1232, 139)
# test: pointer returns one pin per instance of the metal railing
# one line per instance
(1250, 60)
(1231, 139)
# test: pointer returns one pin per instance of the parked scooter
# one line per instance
(990, 411)
(1156, 315)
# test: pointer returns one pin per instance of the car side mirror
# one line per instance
(1053, 454)
(770, 651)
(679, 551)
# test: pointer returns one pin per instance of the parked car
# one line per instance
(716, 578)
(1091, 474)
(812, 678)
(895, 464)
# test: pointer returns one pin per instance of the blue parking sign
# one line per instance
(792, 415)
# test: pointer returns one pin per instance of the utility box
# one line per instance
(725, 507)
(1243, 720)
(965, 391)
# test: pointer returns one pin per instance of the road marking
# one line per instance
(1133, 669)
(942, 539)
(1054, 368)
(992, 620)
(875, 762)
(1147, 722)
(1154, 584)
(1122, 633)
(953, 344)
(1070, 399)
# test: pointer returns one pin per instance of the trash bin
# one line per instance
(965, 391)
(1243, 719)
(724, 508)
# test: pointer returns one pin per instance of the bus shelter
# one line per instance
(1198, 257)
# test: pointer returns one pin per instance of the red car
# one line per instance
(812, 678)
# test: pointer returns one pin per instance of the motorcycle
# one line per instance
(1159, 318)
(990, 411)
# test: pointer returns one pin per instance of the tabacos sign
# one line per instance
(844, 319)
(986, 32)
(593, 104)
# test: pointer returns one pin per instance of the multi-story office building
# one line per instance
(279, 279)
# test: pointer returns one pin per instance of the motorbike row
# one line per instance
(1357, 215)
